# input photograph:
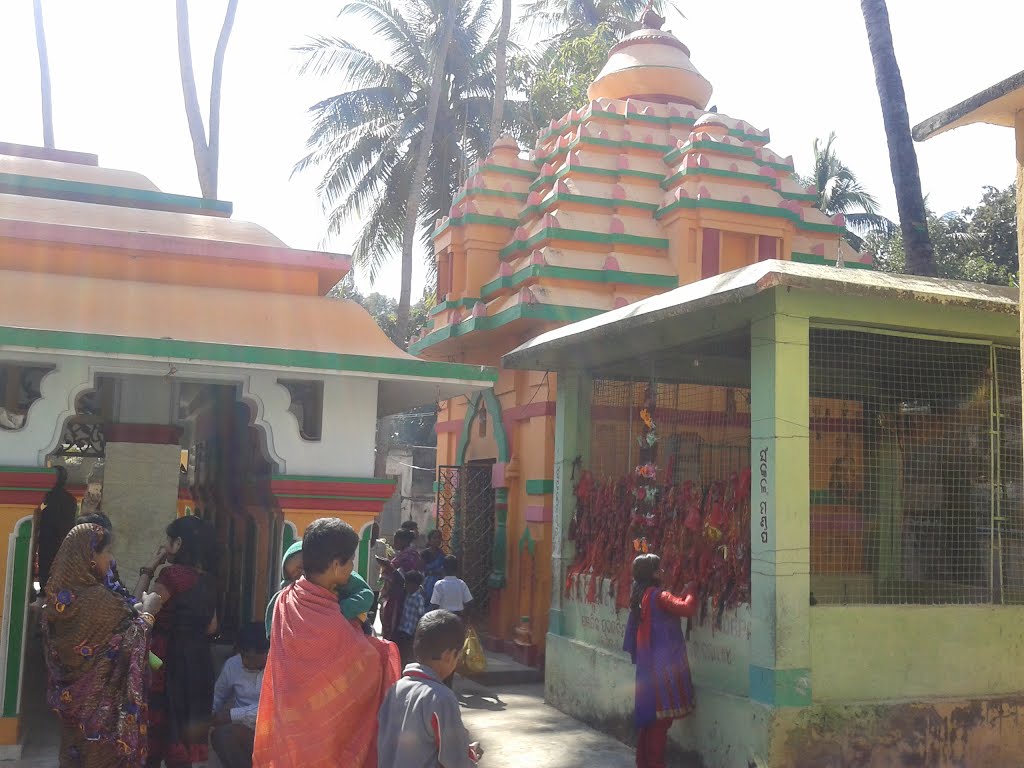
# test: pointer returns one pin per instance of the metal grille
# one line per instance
(465, 517)
(703, 430)
(82, 437)
(669, 473)
(905, 488)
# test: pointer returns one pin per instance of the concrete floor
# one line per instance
(516, 728)
(512, 722)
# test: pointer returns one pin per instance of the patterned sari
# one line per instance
(323, 685)
(96, 659)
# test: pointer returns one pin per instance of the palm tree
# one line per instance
(840, 191)
(436, 83)
(44, 74)
(570, 19)
(906, 177)
(367, 138)
(501, 70)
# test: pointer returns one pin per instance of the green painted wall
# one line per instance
(719, 657)
(596, 685)
(871, 653)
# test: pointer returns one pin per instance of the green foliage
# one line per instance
(574, 19)
(384, 309)
(976, 244)
(840, 191)
(556, 81)
(365, 139)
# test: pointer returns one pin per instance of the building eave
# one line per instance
(996, 105)
(621, 330)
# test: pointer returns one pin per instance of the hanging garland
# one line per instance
(702, 534)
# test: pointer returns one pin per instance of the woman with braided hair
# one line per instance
(96, 647)
(654, 640)
(181, 697)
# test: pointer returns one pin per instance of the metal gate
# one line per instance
(465, 517)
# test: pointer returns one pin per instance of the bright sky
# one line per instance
(800, 68)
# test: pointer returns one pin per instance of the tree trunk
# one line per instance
(206, 151)
(906, 177)
(44, 75)
(500, 71)
(213, 154)
(437, 78)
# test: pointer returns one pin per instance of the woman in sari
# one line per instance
(96, 647)
(655, 643)
(325, 680)
(407, 559)
(181, 697)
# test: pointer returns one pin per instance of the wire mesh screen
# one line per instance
(1010, 489)
(703, 430)
(903, 474)
(669, 472)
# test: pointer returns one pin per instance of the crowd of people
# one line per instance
(131, 672)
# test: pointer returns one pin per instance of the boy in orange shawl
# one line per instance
(325, 680)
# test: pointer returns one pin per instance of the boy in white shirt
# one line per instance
(236, 698)
(451, 593)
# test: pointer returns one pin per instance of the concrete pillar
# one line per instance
(1018, 126)
(572, 440)
(780, 511)
(140, 490)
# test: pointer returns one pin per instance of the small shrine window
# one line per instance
(307, 406)
(19, 387)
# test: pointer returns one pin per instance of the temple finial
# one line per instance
(651, 19)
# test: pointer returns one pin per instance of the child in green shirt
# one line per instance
(355, 598)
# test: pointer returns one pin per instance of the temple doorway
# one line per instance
(465, 517)
(208, 458)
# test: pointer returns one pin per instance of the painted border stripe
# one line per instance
(64, 189)
(605, 276)
(200, 351)
(540, 487)
(550, 312)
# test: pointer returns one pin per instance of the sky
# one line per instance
(800, 68)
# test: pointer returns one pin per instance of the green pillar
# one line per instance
(572, 440)
(780, 657)
(20, 583)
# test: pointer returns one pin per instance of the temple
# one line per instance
(178, 361)
(638, 192)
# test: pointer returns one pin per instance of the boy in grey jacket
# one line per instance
(419, 723)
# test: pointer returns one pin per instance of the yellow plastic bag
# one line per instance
(473, 661)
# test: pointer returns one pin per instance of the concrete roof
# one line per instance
(997, 105)
(615, 330)
(223, 327)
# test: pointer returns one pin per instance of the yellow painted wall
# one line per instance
(301, 518)
(871, 653)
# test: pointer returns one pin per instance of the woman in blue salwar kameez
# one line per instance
(654, 640)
